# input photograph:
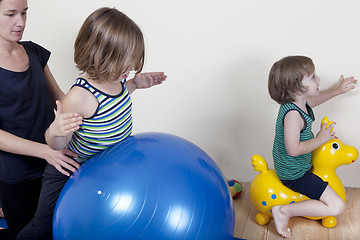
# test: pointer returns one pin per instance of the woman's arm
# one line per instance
(55, 92)
(59, 159)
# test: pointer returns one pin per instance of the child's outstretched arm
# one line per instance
(145, 80)
(60, 131)
(293, 124)
(345, 85)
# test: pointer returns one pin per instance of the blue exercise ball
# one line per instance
(149, 186)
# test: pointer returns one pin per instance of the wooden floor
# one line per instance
(348, 223)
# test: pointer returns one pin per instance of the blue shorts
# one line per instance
(310, 185)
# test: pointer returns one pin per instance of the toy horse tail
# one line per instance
(259, 163)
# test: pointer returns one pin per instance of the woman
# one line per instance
(27, 97)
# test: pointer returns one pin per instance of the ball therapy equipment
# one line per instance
(149, 186)
(266, 190)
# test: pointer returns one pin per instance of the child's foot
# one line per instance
(281, 222)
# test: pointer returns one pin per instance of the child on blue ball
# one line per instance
(97, 112)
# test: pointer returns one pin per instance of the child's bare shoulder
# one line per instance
(81, 101)
(293, 118)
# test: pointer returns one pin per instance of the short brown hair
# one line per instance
(286, 75)
(108, 44)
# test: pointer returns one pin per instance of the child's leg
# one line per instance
(330, 204)
(40, 226)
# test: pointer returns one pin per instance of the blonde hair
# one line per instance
(286, 75)
(109, 44)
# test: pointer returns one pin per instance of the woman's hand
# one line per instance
(61, 159)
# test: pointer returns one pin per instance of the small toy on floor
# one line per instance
(235, 188)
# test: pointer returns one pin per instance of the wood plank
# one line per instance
(304, 228)
(252, 229)
(242, 206)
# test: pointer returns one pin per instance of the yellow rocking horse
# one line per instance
(266, 190)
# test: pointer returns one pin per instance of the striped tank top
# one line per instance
(110, 124)
(286, 166)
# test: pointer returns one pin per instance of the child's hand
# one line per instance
(65, 123)
(325, 134)
(346, 84)
(146, 80)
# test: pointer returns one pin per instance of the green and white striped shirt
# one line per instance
(110, 124)
(286, 166)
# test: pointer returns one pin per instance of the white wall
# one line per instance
(217, 55)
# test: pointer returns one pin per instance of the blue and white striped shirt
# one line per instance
(110, 124)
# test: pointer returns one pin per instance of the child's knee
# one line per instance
(341, 207)
(338, 207)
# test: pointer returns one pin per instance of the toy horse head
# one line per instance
(334, 153)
